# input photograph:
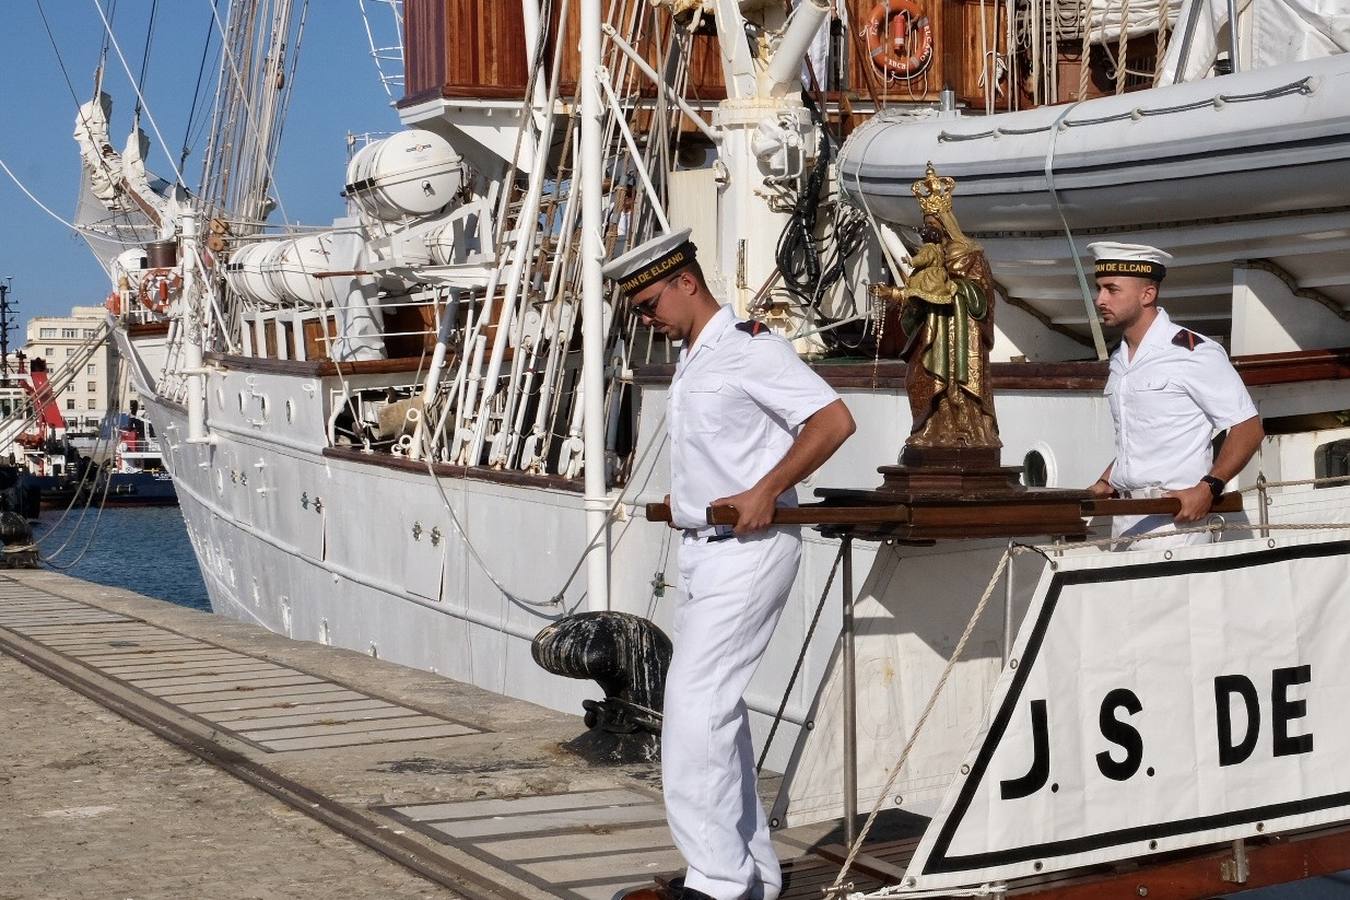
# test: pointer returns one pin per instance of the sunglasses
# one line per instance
(647, 308)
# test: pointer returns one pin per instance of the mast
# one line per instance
(5, 325)
(593, 311)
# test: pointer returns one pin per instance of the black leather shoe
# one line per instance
(649, 892)
(672, 889)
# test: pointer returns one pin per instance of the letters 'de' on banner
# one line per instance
(1153, 705)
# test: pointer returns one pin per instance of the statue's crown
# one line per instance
(934, 192)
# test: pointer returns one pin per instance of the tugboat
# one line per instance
(138, 476)
(133, 476)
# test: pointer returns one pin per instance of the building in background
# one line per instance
(60, 341)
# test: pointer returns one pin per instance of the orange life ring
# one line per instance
(899, 38)
(114, 303)
(157, 286)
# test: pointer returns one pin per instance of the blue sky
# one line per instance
(337, 91)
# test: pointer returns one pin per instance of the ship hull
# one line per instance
(455, 574)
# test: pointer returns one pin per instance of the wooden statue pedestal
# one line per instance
(960, 471)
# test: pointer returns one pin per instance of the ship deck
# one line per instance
(452, 787)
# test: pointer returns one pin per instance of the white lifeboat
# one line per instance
(1247, 166)
(414, 173)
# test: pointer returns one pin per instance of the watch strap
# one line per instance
(1215, 485)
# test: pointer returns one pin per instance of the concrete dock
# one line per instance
(148, 750)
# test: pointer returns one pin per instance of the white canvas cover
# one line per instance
(109, 219)
(102, 165)
(1270, 33)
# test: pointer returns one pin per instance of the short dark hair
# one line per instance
(693, 268)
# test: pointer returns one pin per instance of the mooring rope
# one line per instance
(834, 890)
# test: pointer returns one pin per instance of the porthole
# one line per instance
(1035, 473)
(220, 481)
(1332, 460)
(290, 412)
(243, 401)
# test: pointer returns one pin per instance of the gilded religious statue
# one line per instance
(948, 320)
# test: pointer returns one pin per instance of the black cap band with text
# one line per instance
(1136, 268)
(680, 256)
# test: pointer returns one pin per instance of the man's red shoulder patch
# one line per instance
(1187, 339)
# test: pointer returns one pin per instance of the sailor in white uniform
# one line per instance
(747, 420)
(1170, 391)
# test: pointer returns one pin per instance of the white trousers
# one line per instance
(734, 593)
(1127, 527)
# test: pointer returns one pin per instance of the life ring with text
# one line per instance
(899, 38)
(158, 287)
(114, 303)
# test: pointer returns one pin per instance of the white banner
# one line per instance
(1157, 701)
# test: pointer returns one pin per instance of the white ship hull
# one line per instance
(378, 565)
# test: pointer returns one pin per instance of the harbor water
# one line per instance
(143, 549)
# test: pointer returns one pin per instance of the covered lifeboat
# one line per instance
(1245, 166)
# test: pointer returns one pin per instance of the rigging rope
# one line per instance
(78, 229)
(140, 98)
(196, 93)
(119, 379)
(145, 55)
(1094, 323)
(79, 110)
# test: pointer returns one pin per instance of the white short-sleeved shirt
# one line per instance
(735, 405)
(1167, 404)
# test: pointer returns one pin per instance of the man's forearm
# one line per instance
(823, 433)
(1102, 486)
(1238, 448)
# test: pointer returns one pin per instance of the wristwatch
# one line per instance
(1215, 485)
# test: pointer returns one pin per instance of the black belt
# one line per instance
(711, 535)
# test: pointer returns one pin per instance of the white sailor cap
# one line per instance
(650, 260)
(1137, 260)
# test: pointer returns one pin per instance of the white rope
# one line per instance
(834, 889)
(464, 534)
(249, 117)
(557, 598)
(1331, 479)
(1094, 324)
(72, 226)
(112, 38)
(1212, 528)
(984, 890)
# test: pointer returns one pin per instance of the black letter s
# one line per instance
(1121, 733)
